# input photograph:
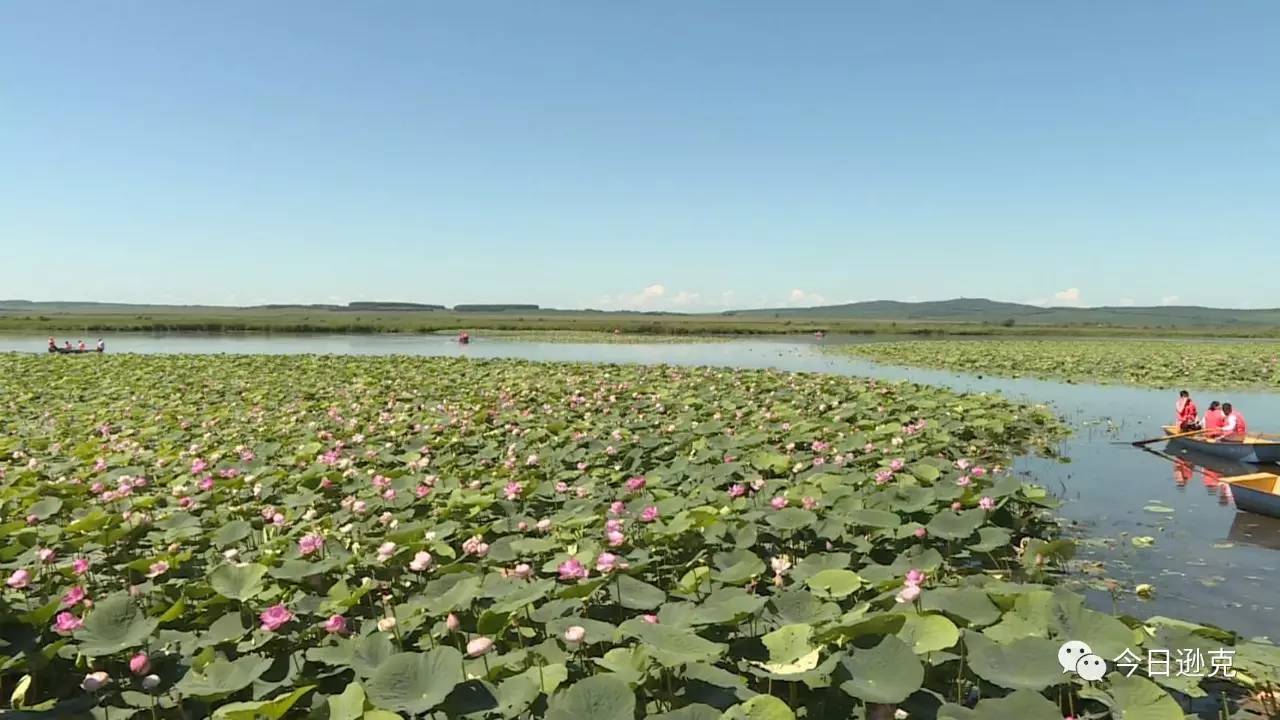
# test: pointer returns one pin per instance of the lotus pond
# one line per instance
(338, 537)
(1152, 363)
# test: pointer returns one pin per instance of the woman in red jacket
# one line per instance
(1187, 412)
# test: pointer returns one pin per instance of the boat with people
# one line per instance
(1251, 448)
(80, 349)
(1256, 493)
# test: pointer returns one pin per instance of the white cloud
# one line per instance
(658, 297)
(803, 298)
(1168, 299)
(1070, 296)
(1126, 302)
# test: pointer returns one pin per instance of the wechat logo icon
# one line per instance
(1077, 658)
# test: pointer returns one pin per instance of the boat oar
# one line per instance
(1140, 443)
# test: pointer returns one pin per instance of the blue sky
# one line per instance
(659, 155)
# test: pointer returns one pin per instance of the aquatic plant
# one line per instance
(250, 536)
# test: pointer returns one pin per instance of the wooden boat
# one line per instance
(73, 351)
(1256, 493)
(1253, 449)
(464, 338)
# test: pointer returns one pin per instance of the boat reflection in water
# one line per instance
(1248, 527)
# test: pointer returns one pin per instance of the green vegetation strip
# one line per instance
(1163, 364)
(586, 336)
(267, 537)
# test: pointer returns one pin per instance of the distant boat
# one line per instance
(464, 338)
(1253, 449)
(74, 351)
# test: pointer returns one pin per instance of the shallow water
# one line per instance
(1208, 563)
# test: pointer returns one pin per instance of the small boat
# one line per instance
(74, 351)
(1253, 449)
(1256, 493)
(464, 338)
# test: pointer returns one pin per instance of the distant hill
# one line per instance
(978, 310)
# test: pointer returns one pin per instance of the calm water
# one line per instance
(1208, 564)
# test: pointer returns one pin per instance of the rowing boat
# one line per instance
(1256, 493)
(1253, 449)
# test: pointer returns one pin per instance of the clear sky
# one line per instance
(667, 154)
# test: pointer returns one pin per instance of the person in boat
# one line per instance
(1187, 412)
(1213, 420)
(101, 346)
(1234, 428)
(464, 337)
(67, 346)
(81, 348)
(53, 345)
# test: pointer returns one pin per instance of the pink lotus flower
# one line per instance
(275, 617)
(963, 464)
(778, 502)
(140, 664)
(198, 466)
(422, 491)
(737, 490)
(523, 571)
(386, 550)
(582, 467)
(513, 490)
(80, 566)
(157, 569)
(649, 514)
(883, 476)
(606, 562)
(206, 483)
(978, 472)
(97, 488)
(908, 593)
(475, 545)
(896, 464)
(73, 596)
(335, 625)
(310, 543)
(479, 646)
(574, 634)
(247, 456)
(562, 487)
(100, 465)
(543, 525)
(359, 507)
(964, 481)
(45, 555)
(651, 619)
(809, 503)
(531, 460)
(635, 484)
(615, 539)
(451, 623)
(915, 577)
(986, 503)
(617, 507)
(95, 681)
(421, 561)
(956, 506)
(571, 569)
(920, 532)
(66, 623)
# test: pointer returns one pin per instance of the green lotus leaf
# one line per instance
(1137, 698)
(887, 673)
(115, 624)
(834, 584)
(231, 532)
(790, 519)
(991, 538)
(522, 595)
(238, 582)
(928, 633)
(222, 677)
(629, 664)
(45, 508)
(788, 643)
(872, 518)
(635, 594)
(760, 707)
(971, 605)
(601, 697)
(952, 525)
(1021, 704)
(1024, 664)
(262, 709)
(673, 646)
(415, 682)
(347, 705)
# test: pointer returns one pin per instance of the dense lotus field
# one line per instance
(342, 538)
(1164, 364)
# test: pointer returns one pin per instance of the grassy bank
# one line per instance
(1163, 364)
(233, 320)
